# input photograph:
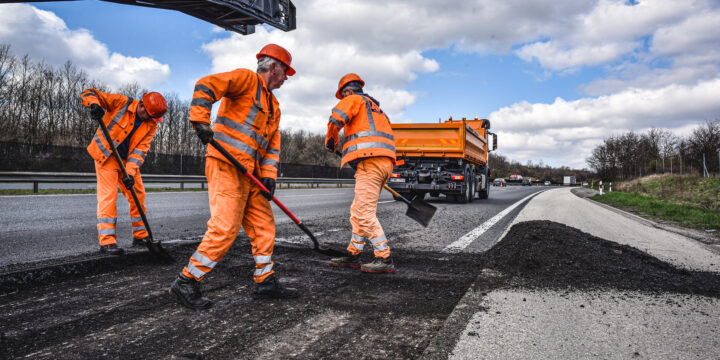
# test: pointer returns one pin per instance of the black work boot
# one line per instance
(140, 242)
(351, 261)
(111, 249)
(271, 288)
(379, 265)
(187, 291)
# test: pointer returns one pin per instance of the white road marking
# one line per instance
(468, 238)
(385, 202)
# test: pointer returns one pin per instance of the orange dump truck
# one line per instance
(449, 158)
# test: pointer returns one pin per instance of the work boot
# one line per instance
(187, 291)
(271, 288)
(351, 261)
(379, 265)
(140, 242)
(111, 249)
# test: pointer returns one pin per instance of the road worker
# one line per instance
(369, 148)
(247, 127)
(132, 125)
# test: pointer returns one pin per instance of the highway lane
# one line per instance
(37, 227)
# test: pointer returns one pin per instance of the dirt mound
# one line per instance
(548, 254)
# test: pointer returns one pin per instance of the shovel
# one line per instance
(153, 246)
(418, 209)
(317, 247)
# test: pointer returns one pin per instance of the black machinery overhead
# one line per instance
(235, 15)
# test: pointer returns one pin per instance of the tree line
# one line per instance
(631, 155)
(40, 104)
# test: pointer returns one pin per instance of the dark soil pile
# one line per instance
(548, 254)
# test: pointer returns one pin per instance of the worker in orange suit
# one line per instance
(370, 149)
(247, 127)
(132, 125)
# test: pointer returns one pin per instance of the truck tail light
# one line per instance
(456, 177)
(395, 175)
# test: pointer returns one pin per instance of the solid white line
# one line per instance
(385, 202)
(468, 238)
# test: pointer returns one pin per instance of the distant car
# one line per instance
(585, 184)
(547, 183)
(526, 182)
(499, 182)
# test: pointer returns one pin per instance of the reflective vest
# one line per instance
(120, 120)
(247, 121)
(367, 129)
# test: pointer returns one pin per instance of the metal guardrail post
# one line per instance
(36, 187)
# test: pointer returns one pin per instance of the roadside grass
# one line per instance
(690, 201)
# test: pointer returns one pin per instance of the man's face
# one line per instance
(346, 92)
(277, 76)
(142, 112)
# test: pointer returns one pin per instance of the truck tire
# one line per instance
(464, 197)
(485, 193)
(472, 184)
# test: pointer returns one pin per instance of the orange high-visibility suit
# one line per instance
(247, 127)
(370, 147)
(120, 119)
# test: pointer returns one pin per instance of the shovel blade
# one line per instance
(156, 249)
(421, 211)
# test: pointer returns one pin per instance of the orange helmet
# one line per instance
(345, 80)
(279, 53)
(155, 105)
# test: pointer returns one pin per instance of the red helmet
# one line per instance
(155, 105)
(345, 80)
(279, 53)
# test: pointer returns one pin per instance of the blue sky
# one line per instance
(555, 77)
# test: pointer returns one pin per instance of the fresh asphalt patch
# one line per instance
(341, 313)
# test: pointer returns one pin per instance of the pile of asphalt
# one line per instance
(545, 254)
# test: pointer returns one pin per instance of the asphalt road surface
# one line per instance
(532, 272)
(35, 227)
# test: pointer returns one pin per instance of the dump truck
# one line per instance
(449, 158)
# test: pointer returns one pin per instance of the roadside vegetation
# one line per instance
(689, 201)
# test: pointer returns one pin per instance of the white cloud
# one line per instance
(564, 130)
(45, 37)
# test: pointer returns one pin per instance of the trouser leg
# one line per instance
(259, 224)
(107, 179)
(370, 176)
(138, 227)
(228, 193)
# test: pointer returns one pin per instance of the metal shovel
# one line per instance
(155, 247)
(317, 247)
(418, 209)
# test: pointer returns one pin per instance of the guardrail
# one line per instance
(68, 178)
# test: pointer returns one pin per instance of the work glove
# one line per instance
(330, 145)
(96, 112)
(128, 182)
(269, 183)
(204, 132)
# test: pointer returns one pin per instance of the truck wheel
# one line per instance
(472, 185)
(485, 193)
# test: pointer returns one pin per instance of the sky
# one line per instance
(555, 77)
